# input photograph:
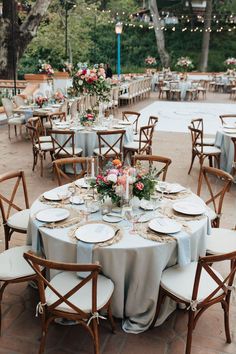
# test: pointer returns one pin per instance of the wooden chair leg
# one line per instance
(2, 288)
(192, 161)
(225, 306)
(15, 130)
(111, 319)
(190, 331)
(96, 336)
(9, 131)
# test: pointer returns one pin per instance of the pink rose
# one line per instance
(113, 171)
(139, 186)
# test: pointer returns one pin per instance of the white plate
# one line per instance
(118, 126)
(171, 188)
(164, 225)
(229, 130)
(147, 205)
(111, 218)
(81, 183)
(189, 208)
(76, 200)
(52, 214)
(77, 128)
(99, 128)
(56, 194)
(56, 105)
(230, 126)
(123, 122)
(93, 233)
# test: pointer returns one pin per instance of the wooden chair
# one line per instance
(78, 166)
(37, 123)
(13, 222)
(110, 145)
(197, 123)
(154, 160)
(153, 120)
(68, 296)
(198, 286)
(202, 151)
(175, 92)
(202, 88)
(132, 117)
(63, 142)
(223, 181)
(39, 148)
(144, 145)
(163, 89)
(227, 117)
(60, 114)
(13, 119)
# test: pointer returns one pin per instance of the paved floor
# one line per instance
(20, 327)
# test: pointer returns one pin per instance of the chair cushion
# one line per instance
(179, 282)
(64, 281)
(221, 241)
(207, 141)
(47, 125)
(134, 145)
(69, 150)
(45, 139)
(44, 146)
(16, 121)
(19, 220)
(104, 151)
(13, 265)
(208, 150)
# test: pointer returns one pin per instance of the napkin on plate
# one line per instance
(84, 255)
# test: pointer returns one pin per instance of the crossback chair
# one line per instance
(13, 222)
(132, 117)
(154, 161)
(39, 148)
(60, 114)
(144, 145)
(225, 118)
(63, 142)
(202, 151)
(197, 123)
(37, 123)
(78, 168)
(13, 119)
(110, 145)
(153, 120)
(198, 286)
(71, 297)
(223, 181)
(175, 92)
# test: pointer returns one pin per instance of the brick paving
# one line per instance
(20, 327)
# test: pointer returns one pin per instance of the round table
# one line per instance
(223, 141)
(134, 264)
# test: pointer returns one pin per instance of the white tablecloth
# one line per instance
(223, 141)
(134, 264)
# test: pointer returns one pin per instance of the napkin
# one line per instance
(33, 235)
(184, 248)
(84, 255)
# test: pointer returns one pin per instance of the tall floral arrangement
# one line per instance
(184, 64)
(230, 63)
(150, 61)
(46, 68)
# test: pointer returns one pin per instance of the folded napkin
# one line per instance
(33, 235)
(84, 255)
(184, 248)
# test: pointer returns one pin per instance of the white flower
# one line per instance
(132, 179)
(112, 178)
(80, 82)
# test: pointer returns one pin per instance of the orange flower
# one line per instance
(117, 163)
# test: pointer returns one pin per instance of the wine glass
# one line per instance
(162, 187)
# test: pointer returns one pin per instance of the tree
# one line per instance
(206, 37)
(160, 39)
(17, 33)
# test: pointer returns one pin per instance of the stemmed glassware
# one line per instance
(162, 186)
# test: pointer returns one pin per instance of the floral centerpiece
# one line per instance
(46, 68)
(230, 63)
(40, 100)
(184, 64)
(118, 181)
(150, 61)
(88, 118)
(91, 82)
(59, 97)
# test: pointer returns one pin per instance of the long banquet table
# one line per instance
(134, 264)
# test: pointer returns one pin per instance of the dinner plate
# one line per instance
(81, 183)
(77, 128)
(171, 188)
(189, 208)
(118, 126)
(229, 130)
(52, 214)
(99, 128)
(56, 105)
(112, 218)
(230, 126)
(76, 200)
(94, 233)
(56, 195)
(164, 225)
(123, 122)
(147, 205)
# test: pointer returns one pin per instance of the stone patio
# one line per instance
(20, 327)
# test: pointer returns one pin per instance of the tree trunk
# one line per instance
(206, 37)
(160, 39)
(15, 36)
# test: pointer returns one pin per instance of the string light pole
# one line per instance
(118, 29)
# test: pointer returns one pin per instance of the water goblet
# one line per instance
(162, 187)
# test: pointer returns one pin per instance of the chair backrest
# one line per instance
(8, 107)
(79, 166)
(197, 123)
(153, 120)
(155, 161)
(223, 286)
(217, 187)
(133, 117)
(38, 264)
(61, 139)
(105, 138)
(145, 138)
(9, 186)
(37, 123)
(19, 101)
(227, 117)
(197, 138)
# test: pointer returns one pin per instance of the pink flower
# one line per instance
(113, 171)
(121, 180)
(139, 186)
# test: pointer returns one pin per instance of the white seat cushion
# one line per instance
(13, 265)
(64, 281)
(69, 150)
(134, 145)
(44, 146)
(45, 139)
(221, 241)
(19, 220)
(208, 150)
(16, 121)
(104, 151)
(207, 141)
(179, 282)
